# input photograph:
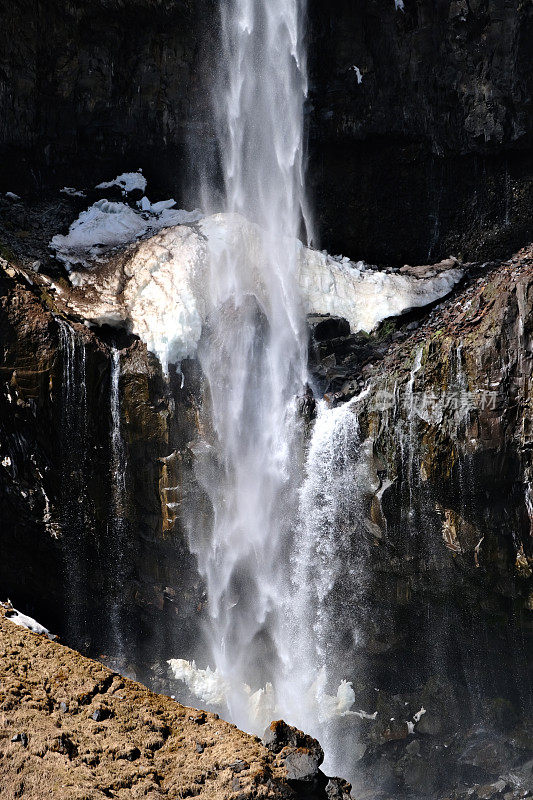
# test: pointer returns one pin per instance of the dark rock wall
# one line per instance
(435, 608)
(62, 556)
(89, 88)
(429, 154)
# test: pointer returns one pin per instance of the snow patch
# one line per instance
(357, 73)
(127, 182)
(363, 296)
(103, 226)
(71, 191)
(107, 225)
(212, 688)
(12, 196)
(399, 5)
(165, 294)
(27, 622)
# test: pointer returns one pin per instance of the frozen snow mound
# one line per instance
(24, 621)
(107, 225)
(127, 182)
(365, 297)
(163, 293)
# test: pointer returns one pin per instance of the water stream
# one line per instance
(73, 448)
(118, 528)
(254, 350)
(271, 558)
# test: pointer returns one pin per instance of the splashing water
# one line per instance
(305, 627)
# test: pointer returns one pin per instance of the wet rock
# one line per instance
(301, 764)
(324, 327)
(279, 735)
(337, 789)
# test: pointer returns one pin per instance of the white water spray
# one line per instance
(117, 523)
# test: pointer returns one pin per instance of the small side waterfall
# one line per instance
(73, 467)
(117, 545)
(330, 512)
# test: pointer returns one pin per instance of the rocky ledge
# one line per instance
(74, 730)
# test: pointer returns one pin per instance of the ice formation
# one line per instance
(127, 182)
(107, 225)
(162, 295)
(213, 689)
(27, 622)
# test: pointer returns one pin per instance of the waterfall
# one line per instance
(330, 515)
(253, 351)
(73, 448)
(271, 556)
(117, 542)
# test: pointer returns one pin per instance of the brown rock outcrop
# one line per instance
(70, 729)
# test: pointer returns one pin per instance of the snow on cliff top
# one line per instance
(162, 295)
(107, 225)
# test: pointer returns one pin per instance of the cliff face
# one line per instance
(443, 554)
(86, 88)
(430, 153)
(439, 580)
(68, 553)
(421, 127)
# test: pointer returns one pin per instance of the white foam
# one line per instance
(262, 705)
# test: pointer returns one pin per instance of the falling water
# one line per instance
(118, 522)
(73, 461)
(270, 558)
(254, 349)
(330, 515)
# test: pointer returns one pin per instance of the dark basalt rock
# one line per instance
(430, 154)
(58, 554)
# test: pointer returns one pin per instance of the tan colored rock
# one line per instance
(70, 729)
